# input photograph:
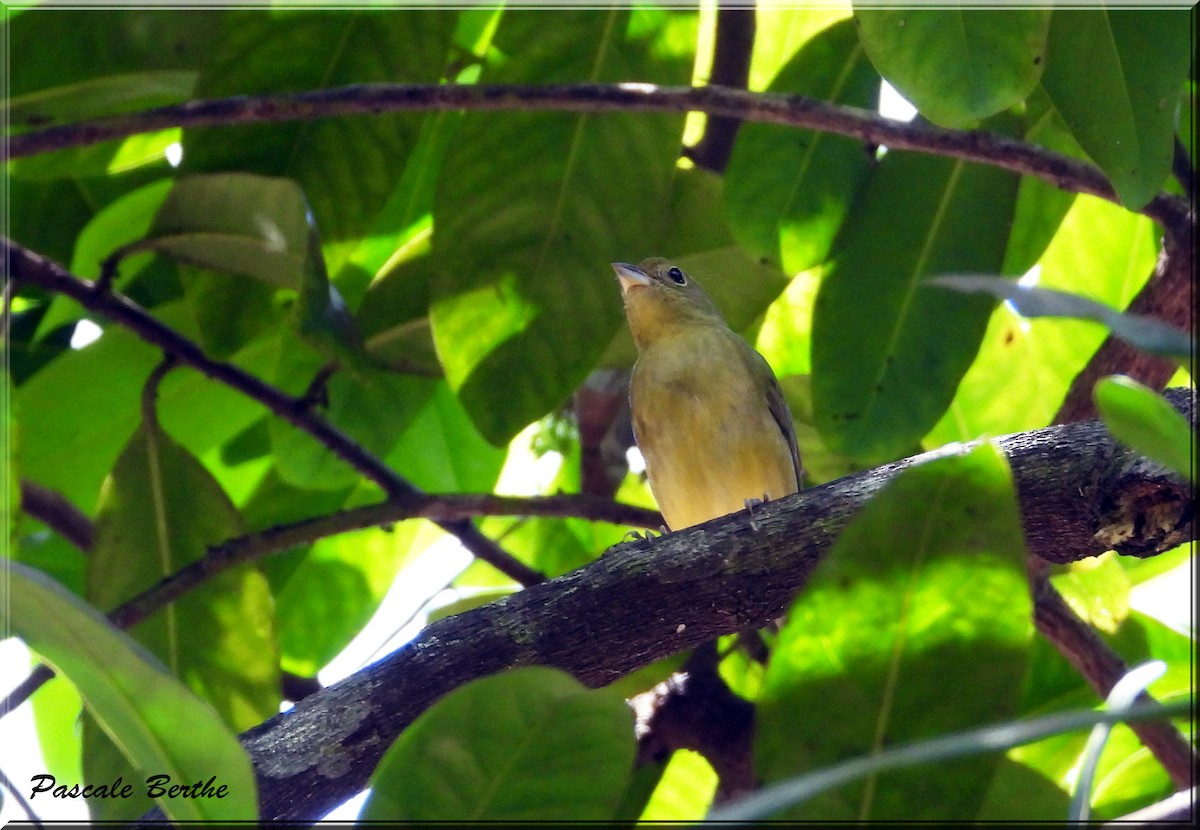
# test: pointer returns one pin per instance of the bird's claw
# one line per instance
(752, 505)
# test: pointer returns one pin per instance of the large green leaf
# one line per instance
(957, 66)
(373, 407)
(1024, 367)
(787, 190)
(161, 727)
(78, 64)
(781, 31)
(1143, 420)
(887, 355)
(917, 625)
(237, 223)
(1115, 76)
(159, 510)
(73, 446)
(524, 745)
(539, 204)
(347, 167)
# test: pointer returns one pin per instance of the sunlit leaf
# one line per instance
(162, 728)
(524, 745)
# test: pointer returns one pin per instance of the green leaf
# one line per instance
(161, 727)
(1024, 367)
(442, 452)
(957, 66)
(159, 510)
(239, 223)
(1138, 330)
(780, 32)
(372, 406)
(337, 587)
(347, 167)
(524, 303)
(1145, 421)
(685, 790)
(74, 446)
(94, 97)
(1041, 207)
(917, 625)
(531, 744)
(787, 190)
(886, 356)
(1115, 76)
(1097, 589)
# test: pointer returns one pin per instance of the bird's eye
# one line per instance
(676, 275)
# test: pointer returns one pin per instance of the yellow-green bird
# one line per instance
(708, 413)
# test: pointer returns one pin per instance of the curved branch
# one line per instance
(28, 267)
(790, 110)
(645, 600)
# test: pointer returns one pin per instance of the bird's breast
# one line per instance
(706, 432)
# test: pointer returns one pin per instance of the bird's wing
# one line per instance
(782, 415)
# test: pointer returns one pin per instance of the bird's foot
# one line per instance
(751, 506)
(644, 535)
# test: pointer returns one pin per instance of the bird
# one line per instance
(708, 413)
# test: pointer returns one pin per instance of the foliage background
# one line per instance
(472, 248)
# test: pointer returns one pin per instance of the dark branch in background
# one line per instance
(695, 709)
(28, 267)
(1097, 663)
(601, 409)
(56, 512)
(643, 601)
(731, 68)
(1167, 295)
(790, 110)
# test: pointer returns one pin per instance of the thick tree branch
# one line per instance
(791, 110)
(27, 267)
(643, 601)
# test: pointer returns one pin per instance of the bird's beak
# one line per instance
(630, 276)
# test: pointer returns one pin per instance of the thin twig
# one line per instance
(790, 110)
(20, 799)
(36, 270)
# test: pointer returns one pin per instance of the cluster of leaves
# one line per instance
(473, 249)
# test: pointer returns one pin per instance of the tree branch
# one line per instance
(56, 512)
(790, 110)
(28, 267)
(251, 547)
(1102, 667)
(642, 601)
